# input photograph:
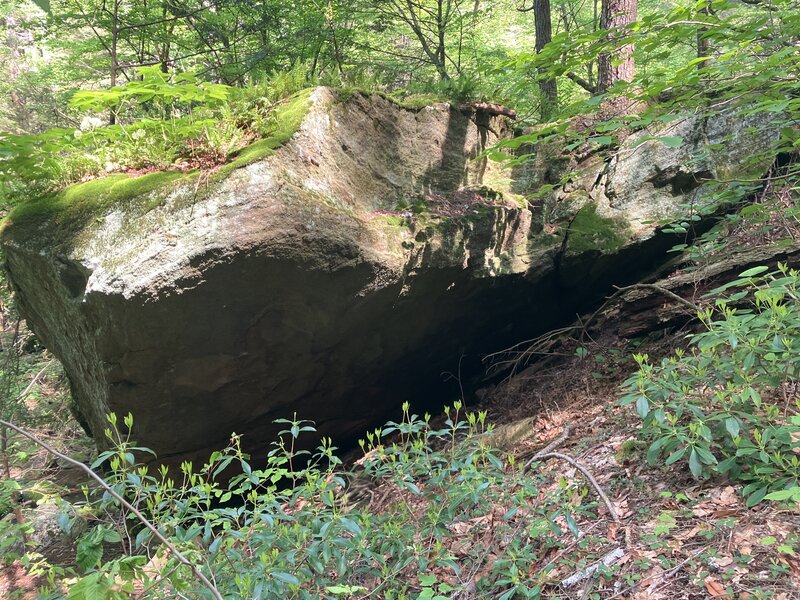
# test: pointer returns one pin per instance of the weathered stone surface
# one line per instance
(336, 278)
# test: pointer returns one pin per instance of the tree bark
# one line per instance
(544, 34)
(618, 65)
(112, 118)
(703, 43)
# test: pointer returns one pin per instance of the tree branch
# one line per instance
(611, 510)
(142, 519)
(582, 82)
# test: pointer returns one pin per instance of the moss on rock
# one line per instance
(591, 231)
(76, 205)
(71, 209)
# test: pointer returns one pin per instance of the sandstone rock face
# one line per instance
(347, 272)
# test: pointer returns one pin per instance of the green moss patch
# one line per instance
(66, 212)
(79, 203)
(287, 118)
(591, 231)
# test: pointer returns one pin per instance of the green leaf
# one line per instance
(286, 578)
(791, 493)
(754, 271)
(43, 4)
(756, 497)
(642, 406)
(676, 456)
(695, 466)
(92, 587)
(655, 449)
(89, 552)
(732, 425)
(603, 140)
(705, 456)
(509, 594)
(670, 141)
(427, 580)
(727, 464)
(572, 525)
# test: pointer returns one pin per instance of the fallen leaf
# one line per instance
(714, 588)
(728, 497)
(723, 561)
(703, 509)
(687, 535)
(613, 529)
(793, 564)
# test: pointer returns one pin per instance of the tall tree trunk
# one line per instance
(441, 51)
(703, 43)
(618, 65)
(112, 118)
(544, 34)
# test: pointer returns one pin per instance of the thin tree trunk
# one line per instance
(112, 118)
(618, 65)
(441, 51)
(10, 372)
(703, 43)
(337, 55)
(544, 34)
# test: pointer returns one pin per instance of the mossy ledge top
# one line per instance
(67, 211)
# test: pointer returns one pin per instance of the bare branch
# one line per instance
(611, 510)
(142, 519)
(582, 82)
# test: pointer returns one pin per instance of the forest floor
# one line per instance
(675, 538)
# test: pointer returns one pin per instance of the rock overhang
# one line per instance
(332, 277)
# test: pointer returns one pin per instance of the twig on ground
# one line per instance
(547, 452)
(607, 560)
(609, 505)
(33, 382)
(662, 576)
(142, 519)
(550, 447)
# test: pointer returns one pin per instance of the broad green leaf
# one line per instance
(286, 578)
(754, 271)
(695, 466)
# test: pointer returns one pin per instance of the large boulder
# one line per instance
(372, 258)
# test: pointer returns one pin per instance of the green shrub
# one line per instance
(289, 530)
(729, 405)
(163, 121)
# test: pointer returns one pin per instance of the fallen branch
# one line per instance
(657, 288)
(142, 519)
(491, 108)
(608, 560)
(539, 457)
(659, 578)
(550, 447)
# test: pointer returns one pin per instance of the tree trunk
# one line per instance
(618, 65)
(112, 118)
(544, 34)
(703, 43)
(441, 51)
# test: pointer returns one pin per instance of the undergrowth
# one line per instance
(458, 512)
(159, 121)
(432, 508)
(729, 406)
